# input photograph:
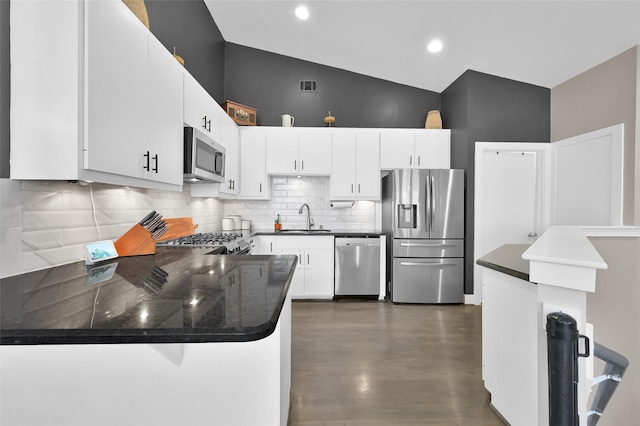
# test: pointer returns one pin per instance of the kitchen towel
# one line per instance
(342, 204)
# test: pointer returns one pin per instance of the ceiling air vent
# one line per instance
(308, 86)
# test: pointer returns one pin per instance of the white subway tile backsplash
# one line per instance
(289, 193)
(10, 203)
(47, 223)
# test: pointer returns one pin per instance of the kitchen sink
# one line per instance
(304, 231)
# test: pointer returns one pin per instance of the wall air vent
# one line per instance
(308, 86)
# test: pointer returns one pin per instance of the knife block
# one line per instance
(136, 241)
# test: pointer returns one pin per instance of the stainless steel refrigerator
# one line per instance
(423, 218)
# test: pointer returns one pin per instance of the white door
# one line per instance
(588, 178)
(509, 202)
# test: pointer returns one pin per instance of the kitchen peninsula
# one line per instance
(180, 337)
(521, 285)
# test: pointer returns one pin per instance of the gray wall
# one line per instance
(603, 96)
(189, 27)
(486, 108)
(5, 88)
(270, 83)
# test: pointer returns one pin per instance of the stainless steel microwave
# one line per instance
(203, 157)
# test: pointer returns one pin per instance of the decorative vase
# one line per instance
(139, 9)
(434, 120)
(277, 226)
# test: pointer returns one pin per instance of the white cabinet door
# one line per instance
(253, 172)
(283, 146)
(200, 110)
(318, 273)
(356, 166)
(315, 152)
(397, 149)
(433, 149)
(296, 288)
(165, 121)
(367, 166)
(313, 277)
(116, 90)
(264, 244)
(343, 174)
(230, 139)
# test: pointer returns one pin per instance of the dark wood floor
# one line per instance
(375, 363)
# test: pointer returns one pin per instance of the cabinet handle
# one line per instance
(418, 160)
(147, 157)
(271, 247)
(204, 122)
(209, 128)
(295, 164)
(307, 259)
(410, 160)
(261, 187)
(302, 164)
(358, 188)
(155, 159)
(352, 188)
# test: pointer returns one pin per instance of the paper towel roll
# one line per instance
(342, 204)
(227, 224)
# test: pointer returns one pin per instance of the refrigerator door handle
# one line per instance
(432, 201)
(429, 264)
(427, 245)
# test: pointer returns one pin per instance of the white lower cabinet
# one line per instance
(313, 277)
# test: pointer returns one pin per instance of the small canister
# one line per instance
(246, 224)
(237, 221)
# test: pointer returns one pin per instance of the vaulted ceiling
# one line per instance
(539, 42)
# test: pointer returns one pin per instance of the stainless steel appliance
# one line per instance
(423, 218)
(220, 242)
(357, 267)
(203, 157)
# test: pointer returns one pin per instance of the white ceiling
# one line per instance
(539, 42)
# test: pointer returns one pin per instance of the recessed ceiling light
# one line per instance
(302, 13)
(435, 46)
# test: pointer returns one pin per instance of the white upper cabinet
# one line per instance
(121, 125)
(315, 151)
(230, 139)
(433, 149)
(253, 172)
(415, 148)
(200, 110)
(356, 172)
(292, 151)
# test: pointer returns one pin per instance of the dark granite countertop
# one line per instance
(332, 233)
(508, 260)
(178, 295)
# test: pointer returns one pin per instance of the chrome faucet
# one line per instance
(309, 220)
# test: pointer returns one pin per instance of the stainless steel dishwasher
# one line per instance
(357, 267)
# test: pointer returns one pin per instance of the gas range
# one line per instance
(221, 242)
